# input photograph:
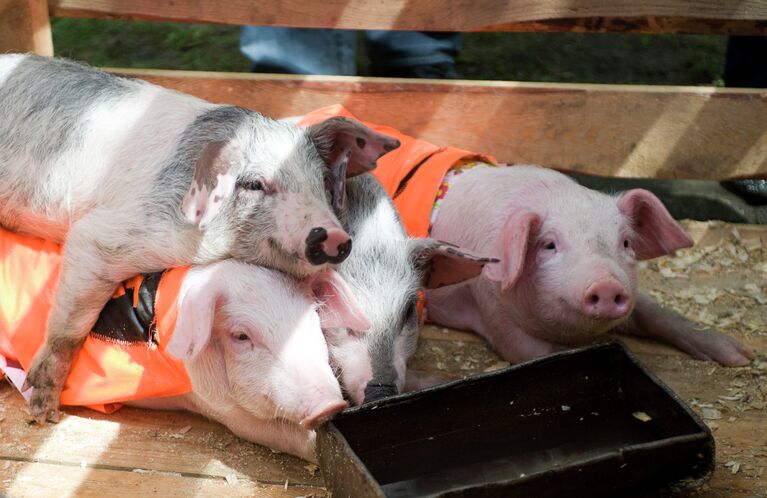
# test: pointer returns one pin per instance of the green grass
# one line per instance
(567, 57)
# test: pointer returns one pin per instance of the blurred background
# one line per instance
(563, 57)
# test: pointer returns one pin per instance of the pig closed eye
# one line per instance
(251, 184)
(411, 310)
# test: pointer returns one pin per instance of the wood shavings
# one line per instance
(733, 397)
(181, 432)
(733, 466)
(231, 479)
(711, 413)
(755, 293)
(641, 416)
(497, 366)
(311, 468)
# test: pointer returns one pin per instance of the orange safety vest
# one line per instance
(411, 173)
(105, 371)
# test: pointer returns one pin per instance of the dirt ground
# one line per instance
(721, 282)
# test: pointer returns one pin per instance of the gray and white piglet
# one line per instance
(134, 178)
(385, 273)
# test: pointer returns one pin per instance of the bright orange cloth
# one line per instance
(104, 372)
(414, 203)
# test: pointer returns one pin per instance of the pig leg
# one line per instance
(457, 306)
(82, 291)
(651, 320)
(417, 380)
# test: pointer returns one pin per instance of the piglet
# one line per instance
(237, 343)
(385, 274)
(568, 265)
(252, 344)
(134, 178)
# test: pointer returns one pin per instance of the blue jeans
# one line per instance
(333, 51)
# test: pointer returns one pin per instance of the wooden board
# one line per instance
(614, 130)
(25, 27)
(680, 16)
(139, 452)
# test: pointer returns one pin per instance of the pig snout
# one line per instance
(327, 246)
(322, 414)
(606, 299)
(376, 391)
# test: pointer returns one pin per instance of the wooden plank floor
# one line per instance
(144, 453)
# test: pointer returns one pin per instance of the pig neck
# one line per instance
(457, 306)
(452, 177)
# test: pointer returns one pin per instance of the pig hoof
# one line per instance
(44, 406)
(46, 377)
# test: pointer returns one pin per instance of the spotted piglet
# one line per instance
(135, 178)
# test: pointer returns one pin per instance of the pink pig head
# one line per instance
(568, 256)
(252, 342)
(570, 264)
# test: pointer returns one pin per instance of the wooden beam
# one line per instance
(22, 478)
(141, 452)
(679, 16)
(612, 130)
(25, 27)
(143, 441)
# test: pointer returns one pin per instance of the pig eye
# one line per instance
(411, 309)
(242, 337)
(626, 243)
(251, 184)
(550, 246)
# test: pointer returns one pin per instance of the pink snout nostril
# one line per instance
(337, 246)
(606, 299)
(327, 246)
(323, 414)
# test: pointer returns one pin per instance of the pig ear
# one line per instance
(335, 180)
(194, 322)
(443, 263)
(337, 136)
(511, 247)
(657, 232)
(338, 307)
(211, 185)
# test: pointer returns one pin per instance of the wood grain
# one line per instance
(20, 479)
(675, 16)
(142, 440)
(613, 130)
(140, 452)
(25, 27)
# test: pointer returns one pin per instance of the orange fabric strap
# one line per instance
(419, 164)
(104, 373)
